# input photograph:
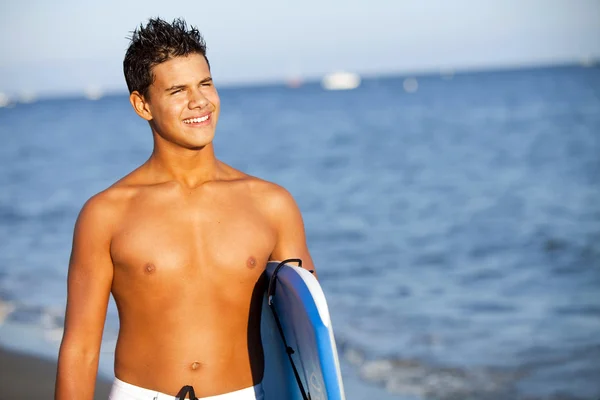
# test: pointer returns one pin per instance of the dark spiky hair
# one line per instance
(155, 43)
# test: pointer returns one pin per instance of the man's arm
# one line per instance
(291, 236)
(88, 290)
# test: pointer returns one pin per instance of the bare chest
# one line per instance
(187, 238)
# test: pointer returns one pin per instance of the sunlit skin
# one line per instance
(182, 89)
(182, 243)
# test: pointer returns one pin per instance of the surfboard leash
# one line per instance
(288, 349)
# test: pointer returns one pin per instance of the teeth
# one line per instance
(196, 120)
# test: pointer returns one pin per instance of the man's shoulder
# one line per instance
(105, 206)
(265, 190)
(278, 206)
(110, 198)
(273, 197)
(252, 185)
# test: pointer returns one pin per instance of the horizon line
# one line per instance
(94, 92)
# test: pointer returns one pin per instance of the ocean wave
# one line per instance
(49, 319)
(412, 377)
(422, 379)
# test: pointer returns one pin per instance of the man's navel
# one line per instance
(195, 366)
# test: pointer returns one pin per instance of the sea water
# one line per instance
(455, 226)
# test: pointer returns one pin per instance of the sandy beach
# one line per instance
(28, 377)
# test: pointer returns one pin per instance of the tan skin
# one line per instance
(182, 243)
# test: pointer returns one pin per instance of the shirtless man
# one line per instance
(181, 242)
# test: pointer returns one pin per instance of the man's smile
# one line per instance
(196, 120)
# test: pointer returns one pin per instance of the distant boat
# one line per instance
(4, 100)
(93, 92)
(340, 81)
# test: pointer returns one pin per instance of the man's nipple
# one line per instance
(149, 268)
(251, 263)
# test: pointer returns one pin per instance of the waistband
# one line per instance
(126, 391)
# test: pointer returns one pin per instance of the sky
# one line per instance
(66, 46)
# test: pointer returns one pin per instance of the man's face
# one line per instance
(183, 102)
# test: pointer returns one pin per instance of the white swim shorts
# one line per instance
(126, 391)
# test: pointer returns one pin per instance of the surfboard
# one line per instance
(305, 322)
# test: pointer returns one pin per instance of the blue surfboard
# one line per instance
(305, 322)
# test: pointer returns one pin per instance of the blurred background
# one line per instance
(445, 156)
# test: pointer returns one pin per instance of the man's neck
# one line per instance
(190, 168)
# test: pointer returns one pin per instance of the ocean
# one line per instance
(455, 226)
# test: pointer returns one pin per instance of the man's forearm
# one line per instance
(76, 375)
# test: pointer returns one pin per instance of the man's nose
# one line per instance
(197, 99)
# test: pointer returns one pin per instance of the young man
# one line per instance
(181, 242)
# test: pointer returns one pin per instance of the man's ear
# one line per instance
(140, 105)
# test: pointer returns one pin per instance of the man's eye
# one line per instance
(176, 91)
(207, 84)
